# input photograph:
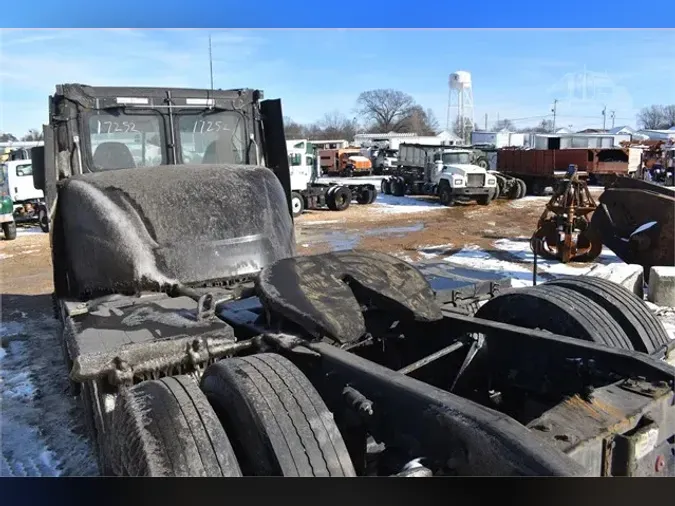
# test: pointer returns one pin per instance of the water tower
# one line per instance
(461, 97)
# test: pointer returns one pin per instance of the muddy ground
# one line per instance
(42, 432)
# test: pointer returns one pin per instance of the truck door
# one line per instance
(21, 183)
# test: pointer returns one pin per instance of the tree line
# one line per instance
(387, 110)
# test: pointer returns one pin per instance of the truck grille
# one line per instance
(475, 180)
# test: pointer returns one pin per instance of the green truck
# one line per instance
(6, 207)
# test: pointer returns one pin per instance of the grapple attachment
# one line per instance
(563, 229)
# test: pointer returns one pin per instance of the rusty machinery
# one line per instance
(563, 229)
(636, 220)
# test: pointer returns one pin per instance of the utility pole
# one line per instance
(604, 117)
(211, 62)
(612, 114)
(554, 111)
(486, 118)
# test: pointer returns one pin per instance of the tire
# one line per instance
(398, 188)
(644, 330)
(522, 188)
(279, 424)
(339, 199)
(558, 310)
(297, 204)
(366, 196)
(483, 163)
(445, 195)
(385, 187)
(538, 188)
(9, 228)
(43, 220)
(167, 428)
(484, 200)
(496, 193)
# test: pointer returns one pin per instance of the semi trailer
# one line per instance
(200, 344)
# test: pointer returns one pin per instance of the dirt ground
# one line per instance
(25, 263)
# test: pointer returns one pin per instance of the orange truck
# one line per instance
(344, 162)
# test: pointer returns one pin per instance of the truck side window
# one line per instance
(24, 170)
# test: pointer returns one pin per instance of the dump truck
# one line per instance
(346, 162)
(200, 344)
(441, 171)
(542, 168)
(308, 193)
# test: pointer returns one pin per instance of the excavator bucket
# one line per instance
(636, 220)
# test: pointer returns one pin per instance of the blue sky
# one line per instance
(516, 73)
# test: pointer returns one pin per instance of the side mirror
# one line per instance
(38, 163)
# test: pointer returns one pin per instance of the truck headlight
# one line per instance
(458, 182)
(491, 181)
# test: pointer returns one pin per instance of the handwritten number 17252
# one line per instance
(111, 127)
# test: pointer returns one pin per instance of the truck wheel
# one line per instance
(644, 330)
(445, 195)
(559, 310)
(297, 204)
(398, 188)
(538, 188)
(167, 428)
(43, 220)
(279, 424)
(373, 195)
(9, 228)
(339, 199)
(385, 186)
(484, 200)
(366, 196)
(483, 163)
(522, 188)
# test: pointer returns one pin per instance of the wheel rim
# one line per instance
(296, 205)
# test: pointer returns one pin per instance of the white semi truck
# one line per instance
(441, 171)
(307, 193)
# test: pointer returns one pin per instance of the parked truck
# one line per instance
(28, 201)
(308, 193)
(346, 162)
(6, 206)
(542, 168)
(200, 344)
(441, 171)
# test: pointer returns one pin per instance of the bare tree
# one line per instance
(33, 135)
(7, 137)
(669, 116)
(504, 124)
(420, 121)
(292, 129)
(546, 126)
(335, 125)
(652, 117)
(387, 109)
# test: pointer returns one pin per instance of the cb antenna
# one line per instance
(211, 62)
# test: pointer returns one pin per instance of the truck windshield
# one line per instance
(212, 138)
(125, 141)
(456, 158)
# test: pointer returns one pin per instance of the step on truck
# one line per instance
(440, 171)
(308, 193)
(200, 344)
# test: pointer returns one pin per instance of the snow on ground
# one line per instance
(400, 205)
(29, 231)
(5, 255)
(40, 432)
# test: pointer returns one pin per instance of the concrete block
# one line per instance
(630, 276)
(662, 286)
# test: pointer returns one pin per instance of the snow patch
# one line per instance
(389, 204)
(3, 256)
(29, 231)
